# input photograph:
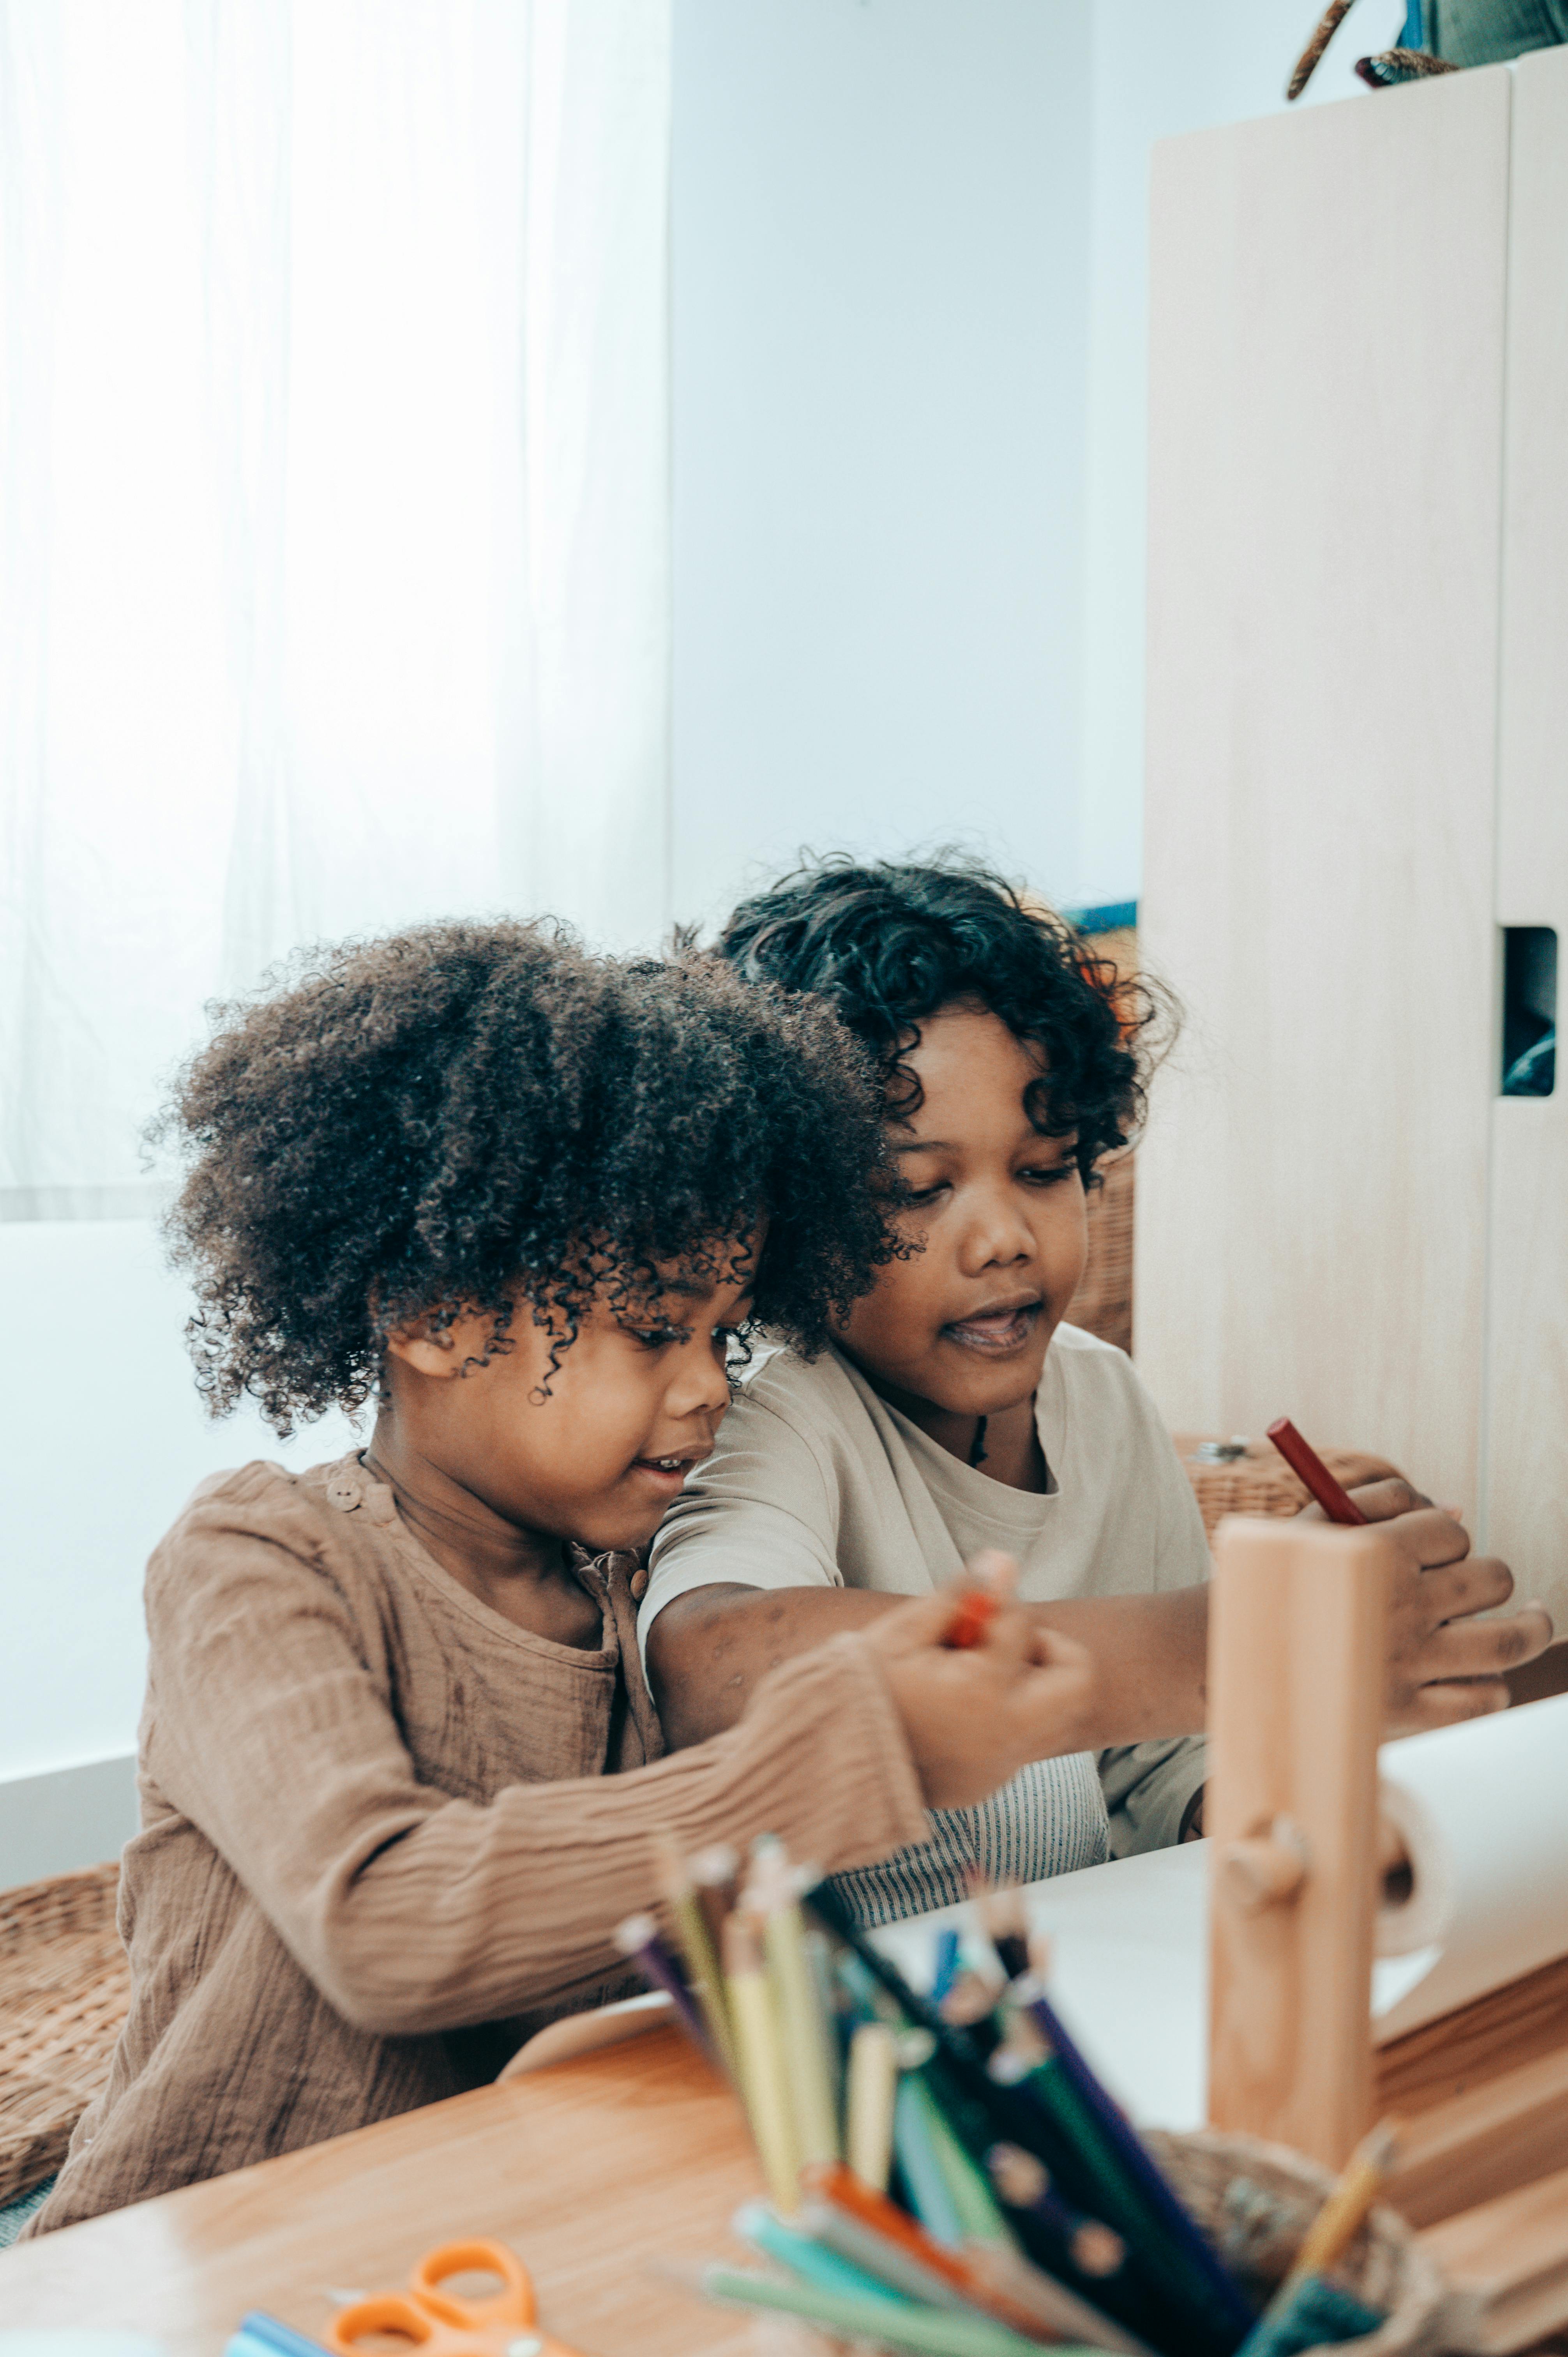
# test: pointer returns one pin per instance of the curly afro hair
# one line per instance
(887, 946)
(461, 1114)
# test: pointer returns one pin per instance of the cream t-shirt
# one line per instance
(817, 1481)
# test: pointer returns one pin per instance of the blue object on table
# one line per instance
(260, 2335)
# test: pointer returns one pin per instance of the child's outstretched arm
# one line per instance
(708, 1649)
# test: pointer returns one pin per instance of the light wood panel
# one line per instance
(1296, 1642)
(599, 2171)
(1492, 2139)
(1324, 456)
(1510, 2028)
(1508, 2263)
(1526, 1429)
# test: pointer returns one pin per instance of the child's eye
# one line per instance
(921, 1198)
(1050, 1174)
(658, 1337)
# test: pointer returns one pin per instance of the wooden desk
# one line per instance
(595, 2170)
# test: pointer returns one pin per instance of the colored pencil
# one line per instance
(640, 1941)
(1307, 2309)
(715, 1873)
(1134, 2158)
(989, 2276)
(1012, 2287)
(799, 2248)
(949, 1949)
(1307, 1466)
(892, 2261)
(698, 1945)
(919, 2167)
(805, 2031)
(1024, 2183)
(872, 2086)
(764, 2077)
(893, 2323)
(1005, 1923)
(1342, 2215)
(969, 2187)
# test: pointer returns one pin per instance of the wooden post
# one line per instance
(1297, 1637)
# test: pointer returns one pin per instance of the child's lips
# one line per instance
(996, 1332)
(667, 1473)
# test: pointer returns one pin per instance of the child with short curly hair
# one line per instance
(399, 1772)
(956, 1409)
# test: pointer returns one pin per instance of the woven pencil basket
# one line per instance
(1256, 2200)
(64, 1987)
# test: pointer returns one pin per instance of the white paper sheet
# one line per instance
(1484, 1811)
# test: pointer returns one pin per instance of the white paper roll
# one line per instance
(1482, 1811)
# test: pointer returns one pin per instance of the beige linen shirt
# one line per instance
(816, 1481)
(385, 1832)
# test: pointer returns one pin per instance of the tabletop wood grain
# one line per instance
(598, 2171)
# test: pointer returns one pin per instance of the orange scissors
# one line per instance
(445, 2324)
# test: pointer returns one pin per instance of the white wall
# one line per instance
(880, 291)
(909, 353)
(103, 1437)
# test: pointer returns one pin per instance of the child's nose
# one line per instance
(701, 1385)
(997, 1232)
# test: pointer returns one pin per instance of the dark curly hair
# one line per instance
(886, 945)
(412, 1125)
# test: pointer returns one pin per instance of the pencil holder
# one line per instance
(1256, 2201)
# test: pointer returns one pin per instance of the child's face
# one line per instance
(999, 1212)
(633, 1404)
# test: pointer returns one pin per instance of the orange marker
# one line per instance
(975, 1616)
(990, 1578)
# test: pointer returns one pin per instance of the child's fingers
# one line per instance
(1382, 1501)
(951, 1615)
(922, 1622)
(1049, 1701)
(1483, 1648)
(994, 1571)
(1448, 1705)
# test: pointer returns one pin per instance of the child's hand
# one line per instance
(1444, 1664)
(973, 1717)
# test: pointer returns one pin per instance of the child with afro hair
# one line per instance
(399, 1772)
(956, 1409)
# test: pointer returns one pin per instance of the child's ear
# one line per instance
(429, 1349)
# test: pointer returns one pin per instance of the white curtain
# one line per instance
(333, 509)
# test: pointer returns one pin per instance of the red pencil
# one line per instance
(1306, 1463)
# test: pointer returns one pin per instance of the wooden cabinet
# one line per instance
(1357, 717)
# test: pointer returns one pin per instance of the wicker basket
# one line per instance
(1259, 1481)
(65, 1984)
(1257, 2200)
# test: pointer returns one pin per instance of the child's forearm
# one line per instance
(709, 1649)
